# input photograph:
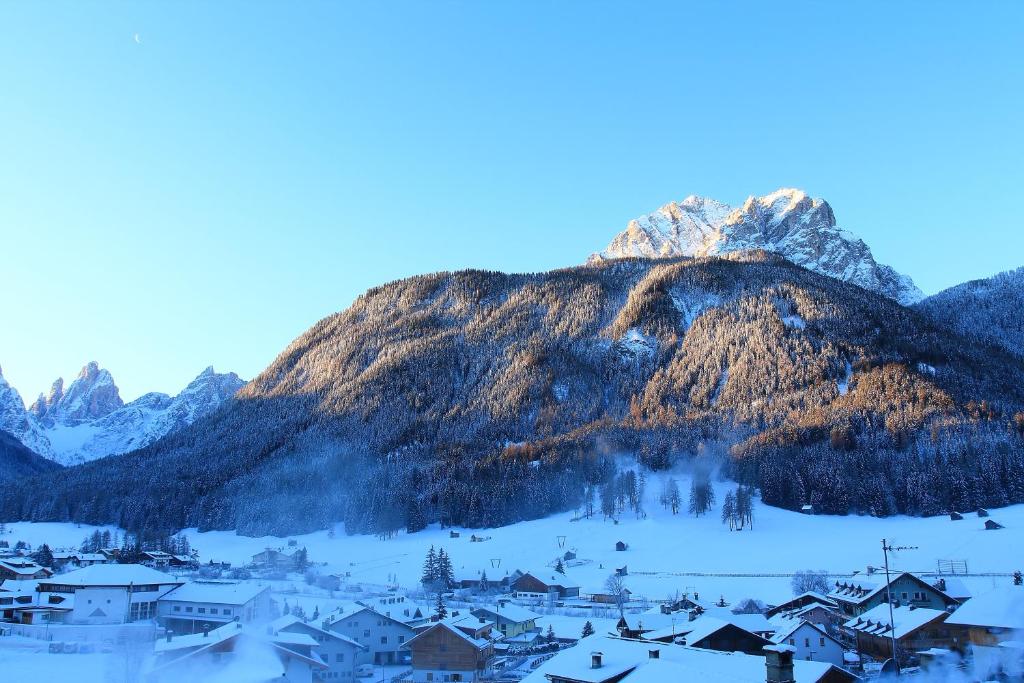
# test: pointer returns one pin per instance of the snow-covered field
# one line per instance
(661, 548)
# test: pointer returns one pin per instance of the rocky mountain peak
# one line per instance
(92, 395)
(788, 221)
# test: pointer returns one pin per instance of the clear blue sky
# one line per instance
(203, 196)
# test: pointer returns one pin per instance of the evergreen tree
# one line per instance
(445, 572)
(485, 585)
(550, 634)
(439, 607)
(301, 559)
(588, 629)
(43, 556)
(429, 576)
(559, 567)
(1018, 578)
(673, 497)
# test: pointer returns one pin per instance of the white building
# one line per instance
(204, 605)
(811, 642)
(107, 593)
(384, 637)
(338, 652)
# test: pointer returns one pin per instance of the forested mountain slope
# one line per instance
(482, 398)
(991, 309)
(18, 462)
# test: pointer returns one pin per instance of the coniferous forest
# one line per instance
(481, 398)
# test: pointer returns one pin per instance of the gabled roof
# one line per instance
(509, 611)
(630, 659)
(907, 620)
(784, 634)
(291, 621)
(552, 578)
(112, 575)
(859, 590)
(478, 643)
(22, 566)
(217, 592)
(999, 608)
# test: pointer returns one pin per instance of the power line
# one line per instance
(886, 549)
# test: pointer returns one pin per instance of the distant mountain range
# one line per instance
(89, 420)
(786, 222)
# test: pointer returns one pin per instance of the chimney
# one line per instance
(206, 630)
(654, 654)
(595, 660)
(779, 664)
(169, 634)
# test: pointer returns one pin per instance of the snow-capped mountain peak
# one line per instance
(788, 221)
(90, 420)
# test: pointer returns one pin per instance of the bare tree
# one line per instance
(615, 585)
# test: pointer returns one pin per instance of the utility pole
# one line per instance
(886, 549)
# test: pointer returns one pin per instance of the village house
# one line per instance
(384, 636)
(802, 601)
(473, 579)
(62, 559)
(22, 569)
(993, 623)
(338, 652)
(915, 629)
(226, 650)
(811, 642)
(273, 559)
(513, 621)
(710, 633)
(105, 594)
(609, 659)
(207, 604)
(458, 649)
(857, 595)
(16, 595)
(545, 586)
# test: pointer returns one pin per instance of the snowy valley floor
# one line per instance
(667, 553)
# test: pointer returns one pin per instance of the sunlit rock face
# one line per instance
(787, 222)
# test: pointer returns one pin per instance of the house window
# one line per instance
(188, 609)
(821, 642)
(177, 608)
(792, 641)
(340, 657)
(401, 639)
(366, 633)
(202, 610)
(227, 612)
(383, 640)
(430, 676)
(807, 642)
(213, 610)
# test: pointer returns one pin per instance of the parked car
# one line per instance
(365, 671)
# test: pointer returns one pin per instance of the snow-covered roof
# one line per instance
(217, 592)
(632, 660)
(784, 634)
(755, 623)
(509, 611)
(553, 578)
(21, 566)
(113, 575)
(478, 643)
(217, 635)
(291, 621)
(1000, 608)
(907, 620)
(955, 588)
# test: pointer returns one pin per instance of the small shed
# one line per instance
(622, 571)
(569, 555)
(453, 534)
(992, 525)
(807, 509)
(620, 546)
(982, 512)
(955, 516)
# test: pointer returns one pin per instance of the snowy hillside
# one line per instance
(90, 420)
(666, 552)
(787, 222)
